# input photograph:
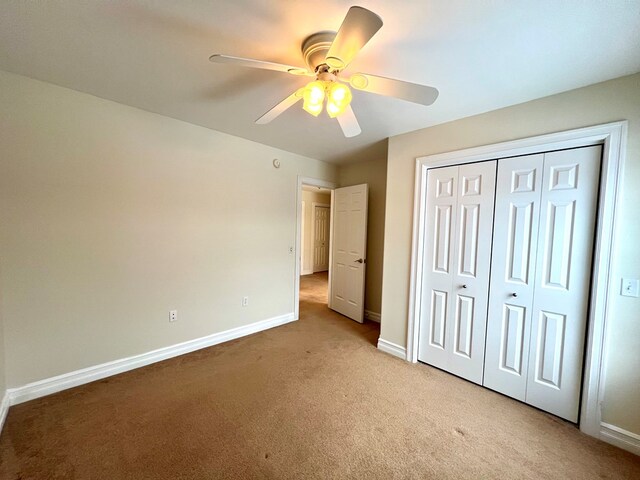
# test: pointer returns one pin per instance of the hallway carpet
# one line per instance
(311, 399)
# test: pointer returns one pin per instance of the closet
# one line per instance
(507, 271)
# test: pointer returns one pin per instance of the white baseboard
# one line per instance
(373, 316)
(79, 377)
(392, 348)
(307, 272)
(620, 437)
(4, 409)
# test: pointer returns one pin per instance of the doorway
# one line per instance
(312, 276)
(314, 245)
(342, 252)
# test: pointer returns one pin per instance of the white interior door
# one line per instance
(442, 185)
(320, 238)
(456, 268)
(517, 211)
(563, 276)
(543, 239)
(348, 251)
(472, 263)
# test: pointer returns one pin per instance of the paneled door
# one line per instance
(320, 238)
(513, 262)
(543, 241)
(348, 251)
(563, 277)
(456, 268)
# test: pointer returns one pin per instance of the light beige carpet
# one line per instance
(312, 399)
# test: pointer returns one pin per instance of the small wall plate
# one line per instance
(276, 163)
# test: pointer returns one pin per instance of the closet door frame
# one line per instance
(613, 138)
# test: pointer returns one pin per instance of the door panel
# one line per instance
(442, 240)
(517, 207)
(557, 244)
(453, 318)
(438, 277)
(512, 339)
(470, 287)
(519, 242)
(468, 254)
(464, 326)
(563, 278)
(349, 245)
(548, 350)
(438, 317)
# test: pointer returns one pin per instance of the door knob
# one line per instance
(359, 260)
(514, 294)
(464, 286)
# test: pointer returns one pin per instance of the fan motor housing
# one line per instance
(315, 48)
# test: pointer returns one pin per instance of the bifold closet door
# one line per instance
(456, 268)
(541, 273)
(513, 263)
(563, 280)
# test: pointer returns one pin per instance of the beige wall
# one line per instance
(605, 102)
(374, 173)
(307, 241)
(112, 216)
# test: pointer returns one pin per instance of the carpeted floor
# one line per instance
(312, 399)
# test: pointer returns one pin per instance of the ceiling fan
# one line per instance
(327, 54)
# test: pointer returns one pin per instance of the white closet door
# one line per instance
(470, 288)
(563, 277)
(456, 268)
(517, 207)
(437, 267)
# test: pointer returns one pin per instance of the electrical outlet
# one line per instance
(173, 315)
(630, 287)
(245, 301)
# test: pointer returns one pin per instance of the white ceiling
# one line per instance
(481, 55)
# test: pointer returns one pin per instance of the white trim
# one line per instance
(316, 182)
(79, 377)
(373, 316)
(613, 137)
(330, 284)
(313, 232)
(620, 437)
(4, 409)
(307, 272)
(303, 226)
(392, 348)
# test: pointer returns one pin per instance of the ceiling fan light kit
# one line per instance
(326, 54)
(338, 96)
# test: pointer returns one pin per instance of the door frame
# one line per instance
(297, 249)
(313, 229)
(613, 138)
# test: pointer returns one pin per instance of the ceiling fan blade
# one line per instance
(349, 123)
(356, 30)
(412, 92)
(288, 102)
(249, 62)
